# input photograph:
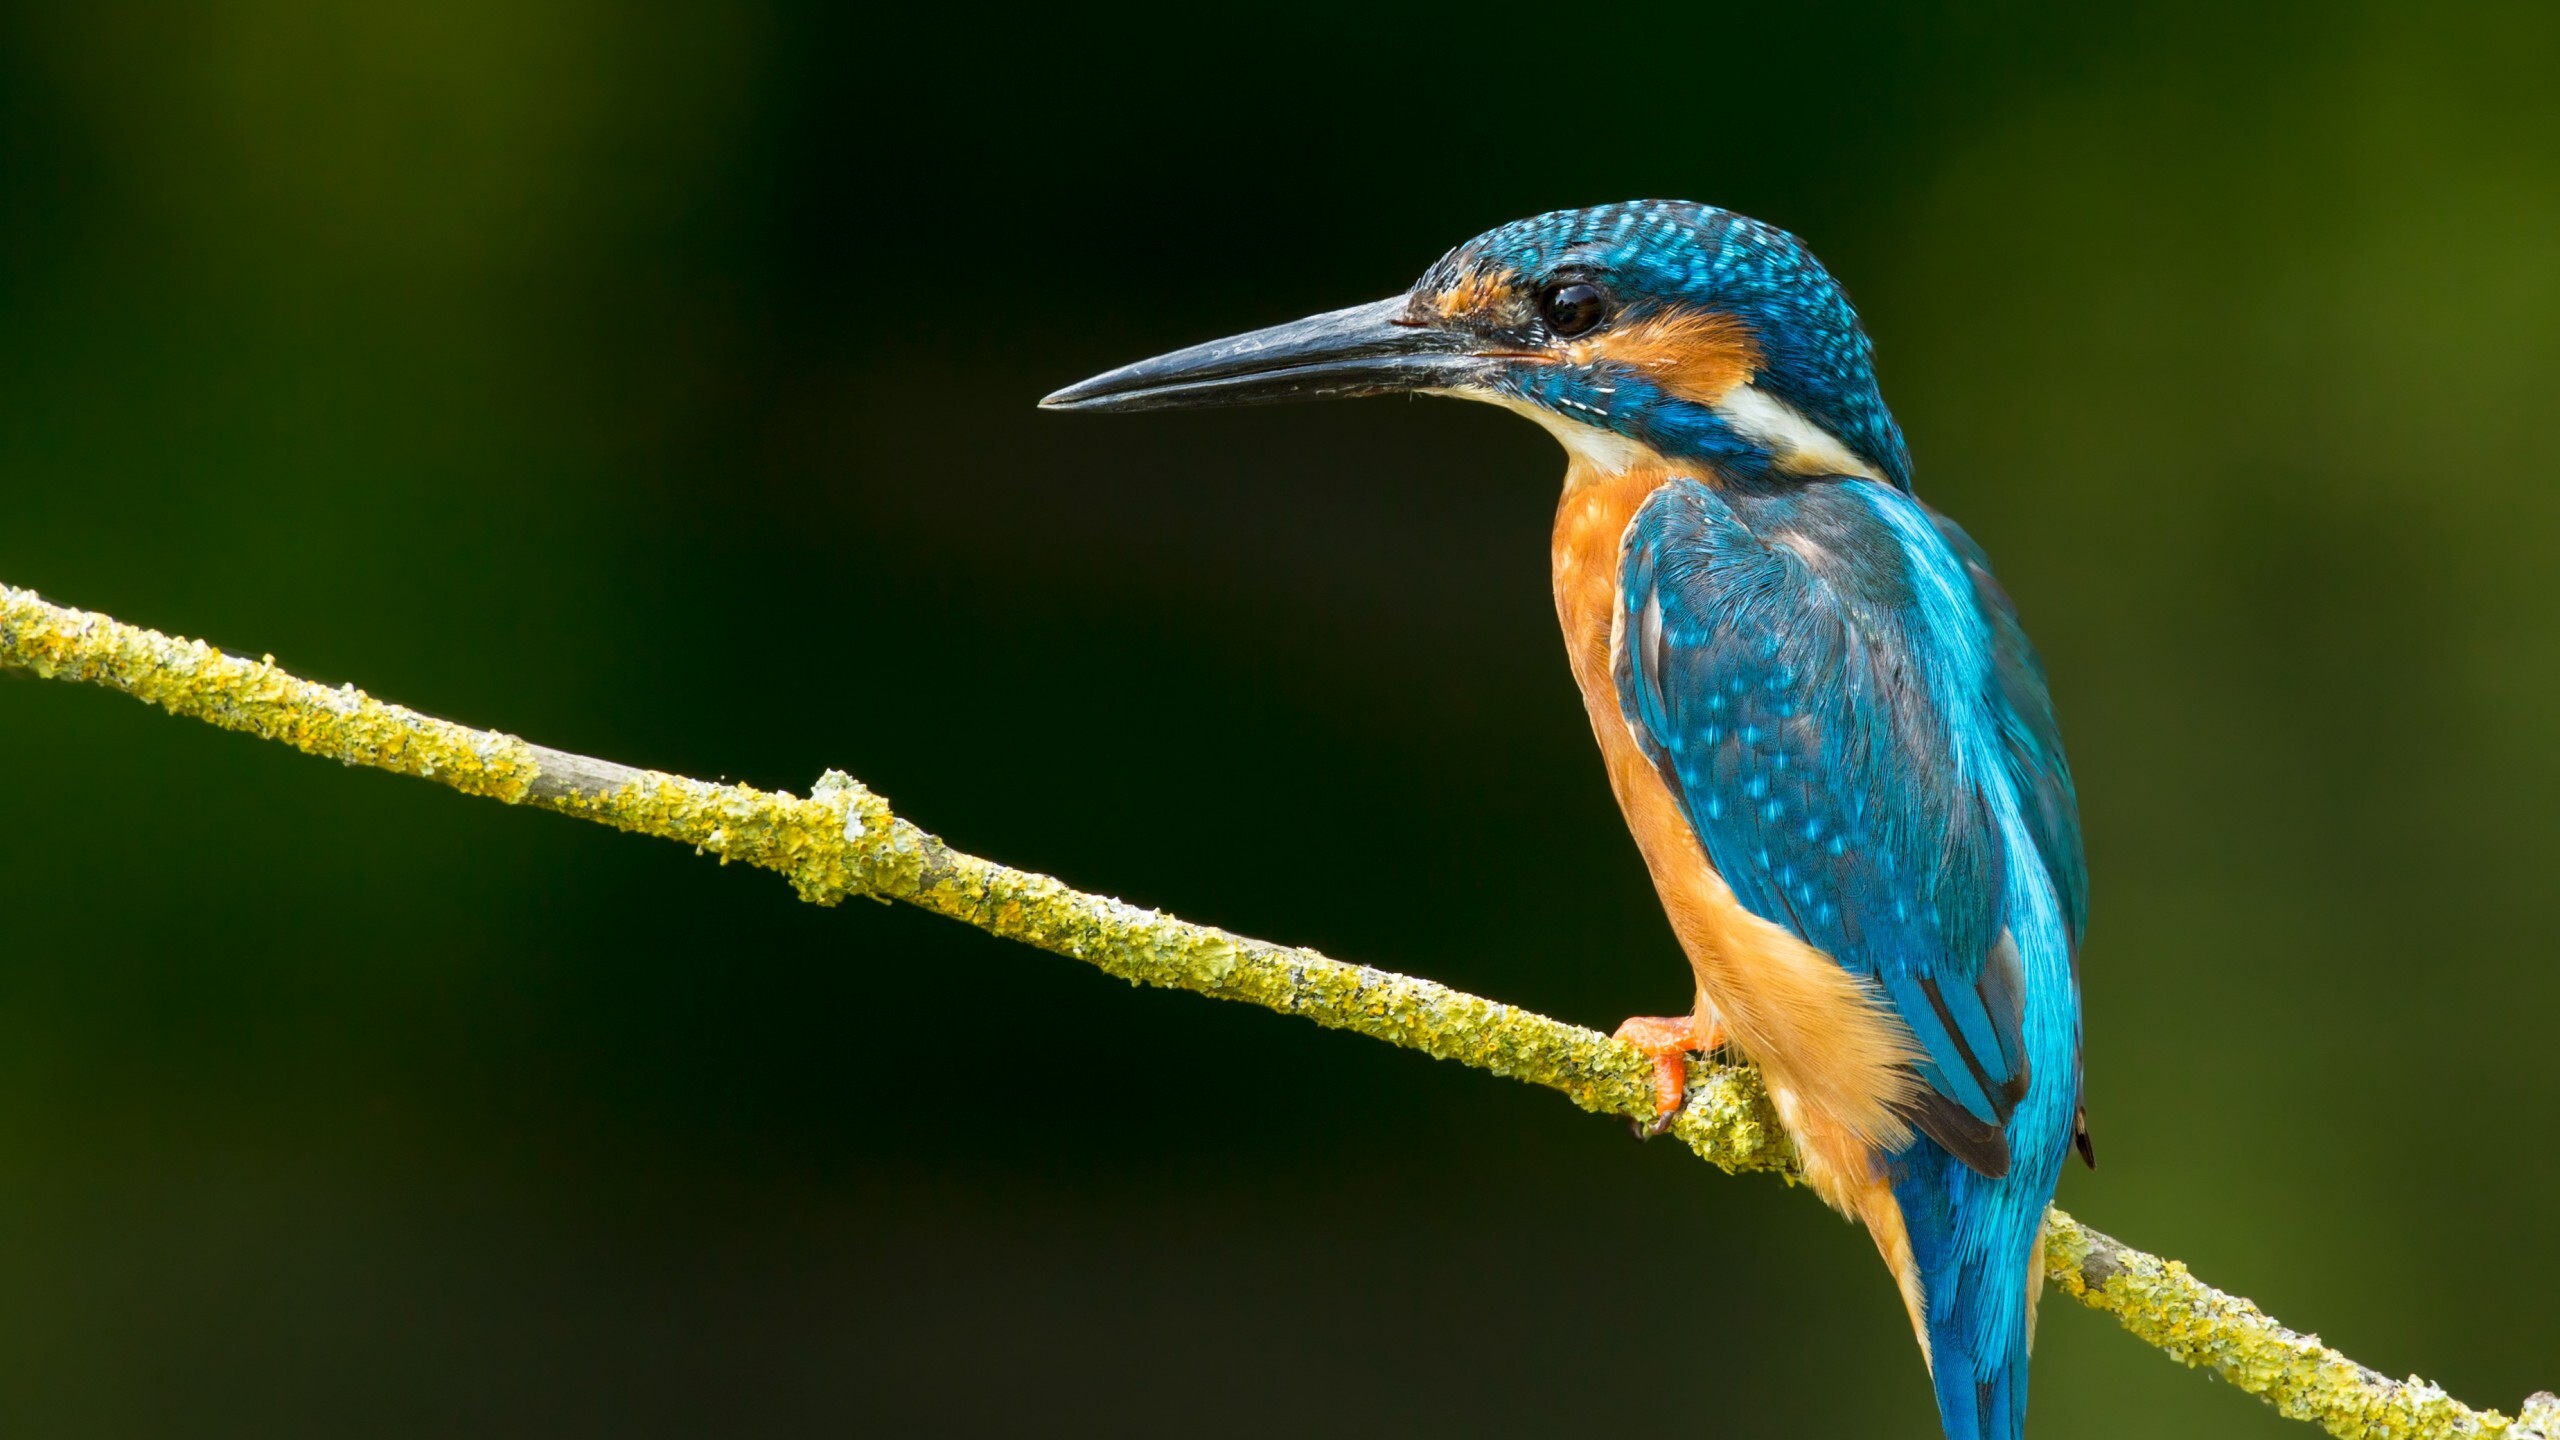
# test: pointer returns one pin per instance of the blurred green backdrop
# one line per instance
(659, 383)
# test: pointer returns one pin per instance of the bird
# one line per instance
(1819, 712)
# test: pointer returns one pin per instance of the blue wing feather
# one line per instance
(1780, 669)
(2030, 737)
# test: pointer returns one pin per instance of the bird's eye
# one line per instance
(1573, 308)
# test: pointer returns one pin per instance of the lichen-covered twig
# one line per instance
(2160, 1302)
(842, 840)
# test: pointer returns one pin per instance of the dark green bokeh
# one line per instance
(661, 387)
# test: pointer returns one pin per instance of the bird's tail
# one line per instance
(1974, 1242)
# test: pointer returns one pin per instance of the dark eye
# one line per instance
(1575, 307)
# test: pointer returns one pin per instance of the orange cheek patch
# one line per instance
(1693, 354)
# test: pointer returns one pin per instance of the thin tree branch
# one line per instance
(843, 840)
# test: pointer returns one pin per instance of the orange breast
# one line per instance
(1836, 1059)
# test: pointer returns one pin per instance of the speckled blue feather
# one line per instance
(1774, 663)
(1857, 730)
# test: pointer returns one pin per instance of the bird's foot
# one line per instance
(1668, 1040)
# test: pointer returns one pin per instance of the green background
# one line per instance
(659, 384)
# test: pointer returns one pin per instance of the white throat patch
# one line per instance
(1605, 451)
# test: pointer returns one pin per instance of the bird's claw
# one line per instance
(1667, 1041)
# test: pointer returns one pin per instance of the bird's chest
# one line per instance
(1591, 522)
(1583, 564)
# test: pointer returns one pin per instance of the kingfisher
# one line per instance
(1818, 710)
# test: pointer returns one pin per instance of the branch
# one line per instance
(843, 840)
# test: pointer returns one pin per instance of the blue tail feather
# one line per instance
(1973, 1241)
(1978, 1409)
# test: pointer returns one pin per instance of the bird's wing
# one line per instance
(1796, 691)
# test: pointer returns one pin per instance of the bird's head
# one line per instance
(1656, 327)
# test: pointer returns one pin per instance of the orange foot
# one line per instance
(1669, 1040)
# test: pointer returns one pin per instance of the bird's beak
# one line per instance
(1365, 350)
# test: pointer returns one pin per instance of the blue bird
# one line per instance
(1820, 714)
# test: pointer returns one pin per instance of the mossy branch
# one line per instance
(843, 840)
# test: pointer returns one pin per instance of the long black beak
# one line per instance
(1365, 350)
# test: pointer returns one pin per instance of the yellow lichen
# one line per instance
(195, 680)
(2164, 1305)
